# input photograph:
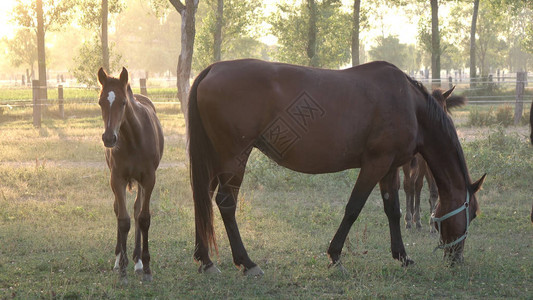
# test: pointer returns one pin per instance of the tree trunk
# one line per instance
(473, 45)
(41, 55)
(217, 45)
(311, 41)
(521, 79)
(531, 138)
(105, 44)
(188, 32)
(435, 43)
(355, 32)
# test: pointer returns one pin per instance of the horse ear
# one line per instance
(102, 76)
(448, 92)
(124, 76)
(477, 185)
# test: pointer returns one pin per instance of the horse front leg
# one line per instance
(144, 219)
(123, 226)
(368, 177)
(389, 186)
(137, 249)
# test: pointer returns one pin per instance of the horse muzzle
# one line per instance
(110, 139)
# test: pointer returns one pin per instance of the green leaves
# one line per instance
(241, 18)
(290, 24)
(56, 14)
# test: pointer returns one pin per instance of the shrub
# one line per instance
(480, 117)
(504, 115)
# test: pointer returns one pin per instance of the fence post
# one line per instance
(143, 87)
(450, 83)
(36, 91)
(61, 101)
(519, 105)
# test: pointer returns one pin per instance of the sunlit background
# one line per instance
(147, 40)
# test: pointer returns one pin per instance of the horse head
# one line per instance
(453, 233)
(113, 101)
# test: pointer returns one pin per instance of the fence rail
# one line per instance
(485, 92)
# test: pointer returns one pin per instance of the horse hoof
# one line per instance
(139, 267)
(124, 281)
(117, 263)
(418, 226)
(255, 271)
(338, 267)
(209, 269)
(147, 278)
(407, 262)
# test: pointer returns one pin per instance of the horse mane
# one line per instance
(436, 113)
(438, 116)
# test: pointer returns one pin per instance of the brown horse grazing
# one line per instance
(415, 171)
(134, 145)
(372, 117)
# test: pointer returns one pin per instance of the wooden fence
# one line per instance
(482, 93)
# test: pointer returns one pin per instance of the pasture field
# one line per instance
(58, 229)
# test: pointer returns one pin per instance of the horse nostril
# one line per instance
(109, 139)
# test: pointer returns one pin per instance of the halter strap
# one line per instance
(439, 220)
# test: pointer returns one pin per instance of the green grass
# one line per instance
(58, 229)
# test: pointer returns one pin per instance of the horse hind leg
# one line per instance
(411, 172)
(433, 198)
(228, 189)
(408, 195)
(418, 190)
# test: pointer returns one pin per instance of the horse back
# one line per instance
(334, 117)
(154, 129)
(144, 101)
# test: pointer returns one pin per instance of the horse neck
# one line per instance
(131, 126)
(443, 156)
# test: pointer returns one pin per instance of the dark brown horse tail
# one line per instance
(201, 163)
